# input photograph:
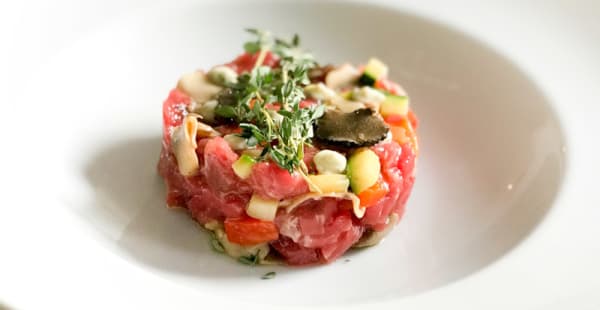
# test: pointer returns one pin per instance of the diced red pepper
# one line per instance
(403, 130)
(373, 194)
(250, 231)
(395, 120)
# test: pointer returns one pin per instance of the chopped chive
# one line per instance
(251, 259)
(269, 275)
(246, 260)
(216, 244)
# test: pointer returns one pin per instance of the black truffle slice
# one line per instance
(354, 129)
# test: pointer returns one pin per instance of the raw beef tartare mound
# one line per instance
(285, 160)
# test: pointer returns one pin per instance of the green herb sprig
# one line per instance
(282, 134)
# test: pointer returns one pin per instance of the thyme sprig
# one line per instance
(251, 102)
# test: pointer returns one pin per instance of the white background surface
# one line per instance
(555, 42)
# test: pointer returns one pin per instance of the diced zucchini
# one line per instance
(262, 209)
(243, 166)
(330, 183)
(394, 105)
(374, 70)
(363, 169)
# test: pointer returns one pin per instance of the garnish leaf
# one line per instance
(269, 275)
(252, 100)
(251, 47)
(216, 244)
(251, 259)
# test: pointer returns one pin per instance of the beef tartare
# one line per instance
(285, 160)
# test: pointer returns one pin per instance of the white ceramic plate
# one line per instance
(500, 135)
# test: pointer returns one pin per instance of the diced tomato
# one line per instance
(398, 120)
(173, 112)
(389, 86)
(307, 103)
(373, 194)
(245, 62)
(275, 106)
(399, 134)
(249, 231)
(403, 130)
(412, 117)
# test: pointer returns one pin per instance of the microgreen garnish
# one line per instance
(216, 244)
(281, 133)
(251, 259)
(269, 275)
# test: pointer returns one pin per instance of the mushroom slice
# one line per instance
(206, 131)
(355, 129)
(206, 109)
(372, 237)
(197, 85)
(342, 76)
(319, 91)
(291, 204)
(343, 105)
(184, 146)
